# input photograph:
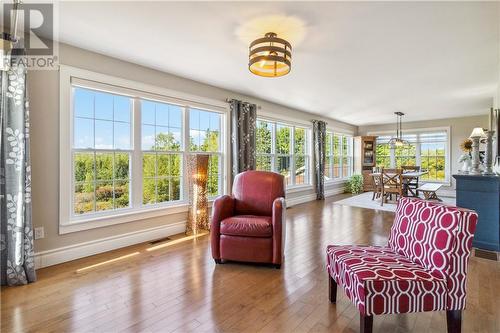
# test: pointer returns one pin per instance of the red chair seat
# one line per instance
(247, 226)
(380, 281)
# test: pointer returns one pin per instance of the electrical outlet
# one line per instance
(39, 233)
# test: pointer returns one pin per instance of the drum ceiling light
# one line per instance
(270, 56)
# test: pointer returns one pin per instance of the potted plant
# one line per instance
(354, 184)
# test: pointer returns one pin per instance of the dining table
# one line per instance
(407, 178)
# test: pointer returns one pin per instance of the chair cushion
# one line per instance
(425, 232)
(247, 226)
(378, 280)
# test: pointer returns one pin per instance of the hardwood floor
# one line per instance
(176, 287)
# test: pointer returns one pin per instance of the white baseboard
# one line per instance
(77, 251)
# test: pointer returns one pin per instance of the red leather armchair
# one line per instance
(249, 225)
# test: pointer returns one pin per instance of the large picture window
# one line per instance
(284, 149)
(128, 150)
(338, 159)
(427, 149)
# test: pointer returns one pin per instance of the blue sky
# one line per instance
(110, 116)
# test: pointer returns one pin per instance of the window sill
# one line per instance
(132, 215)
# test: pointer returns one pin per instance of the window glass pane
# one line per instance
(103, 134)
(433, 160)
(300, 140)
(328, 167)
(103, 106)
(104, 166)
(84, 198)
(174, 116)
(122, 135)
(263, 137)
(204, 132)
(405, 155)
(176, 165)
(83, 133)
(263, 163)
(121, 166)
(148, 137)
(175, 188)
(383, 157)
(328, 144)
(149, 165)
(164, 165)
(122, 108)
(301, 174)
(121, 194)
(147, 112)
(83, 167)
(282, 139)
(162, 188)
(161, 114)
(283, 167)
(83, 101)
(148, 191)
(104, 195)
(213, 176)
(336, 167)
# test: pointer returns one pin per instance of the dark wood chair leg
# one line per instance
(454, 321)
(365, 323)
(332, 288)
(218, 261)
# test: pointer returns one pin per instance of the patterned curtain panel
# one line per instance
(243, 124)
(319, 135)
(17, 255)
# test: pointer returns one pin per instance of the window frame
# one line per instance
(292, 187)
(72, 76)
(341, 135)
(418, 132)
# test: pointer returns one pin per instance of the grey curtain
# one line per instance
(17, 254)
(243, 124)
(319, 135)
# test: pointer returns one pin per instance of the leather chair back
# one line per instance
(255, 191)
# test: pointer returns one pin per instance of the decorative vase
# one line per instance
(496, 166)
(466, 166)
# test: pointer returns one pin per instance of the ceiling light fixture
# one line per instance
(398, 140)
(270, 56)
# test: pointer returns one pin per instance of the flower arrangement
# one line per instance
(464, 158)
(466, 146)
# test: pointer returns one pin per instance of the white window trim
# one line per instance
(447, 129)
(292, 188)
(350, 136)
(122, 86)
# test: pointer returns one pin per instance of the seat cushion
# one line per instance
(247, 226)
(378, 280)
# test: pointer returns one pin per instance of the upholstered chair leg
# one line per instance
(332, 289)
(454, 321)
(366, 323)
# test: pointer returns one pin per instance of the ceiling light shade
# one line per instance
(270, 56)
(478, 132)
(398, 140)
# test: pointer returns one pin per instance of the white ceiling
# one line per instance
(357, 62)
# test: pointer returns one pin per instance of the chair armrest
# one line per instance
(279, 232)
(223, 207)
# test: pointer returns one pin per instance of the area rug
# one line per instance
(364, 200)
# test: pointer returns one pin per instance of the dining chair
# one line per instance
(412, 183)
(377, 186)
(392, 183)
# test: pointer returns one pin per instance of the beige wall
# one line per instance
(460, 129)
(44, 100)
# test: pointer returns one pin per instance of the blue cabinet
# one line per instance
(482, 194)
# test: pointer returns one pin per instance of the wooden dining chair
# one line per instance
(412, 184)
(392, 183)
(377, 186)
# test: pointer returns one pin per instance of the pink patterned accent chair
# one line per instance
(422, 268)
(249, 225)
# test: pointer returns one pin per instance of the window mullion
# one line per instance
(292, 155)
(136, 172)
